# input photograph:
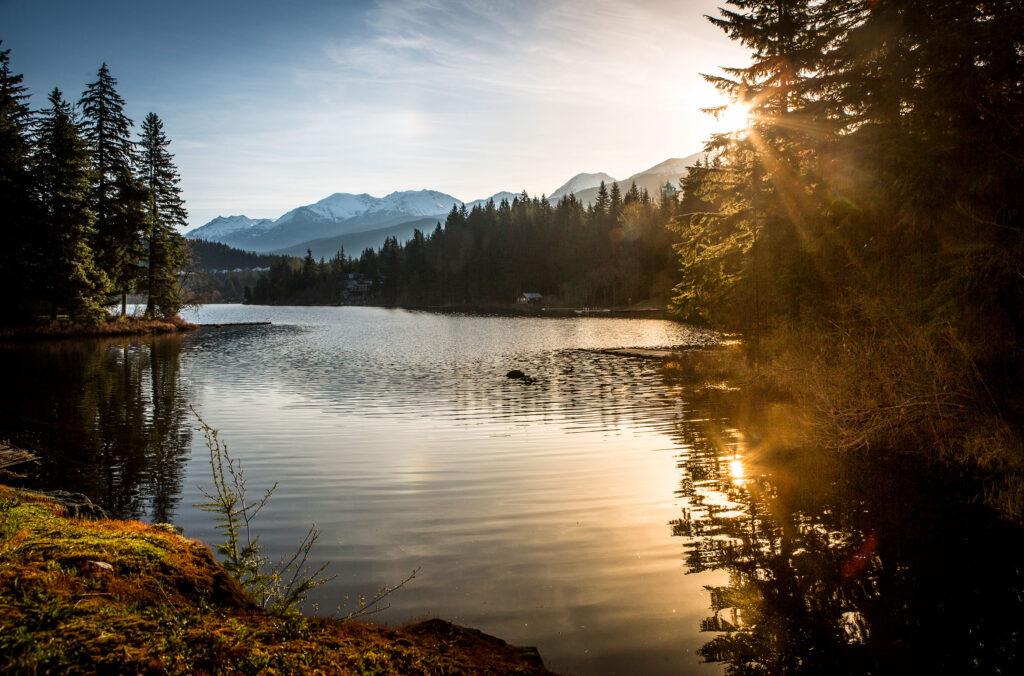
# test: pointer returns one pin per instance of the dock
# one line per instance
(237, 324)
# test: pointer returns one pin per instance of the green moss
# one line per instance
(166, 606)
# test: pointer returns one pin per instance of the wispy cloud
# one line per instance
(466, 96)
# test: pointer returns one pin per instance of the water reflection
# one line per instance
(847, 565)
(537, 512)
(109, 418)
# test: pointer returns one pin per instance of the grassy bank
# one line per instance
(120, 326)
(107, 596)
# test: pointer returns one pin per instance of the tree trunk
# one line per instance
(150, 290)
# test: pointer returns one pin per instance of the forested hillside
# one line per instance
(615, 252)
(207, 256)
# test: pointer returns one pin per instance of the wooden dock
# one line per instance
(237, 324)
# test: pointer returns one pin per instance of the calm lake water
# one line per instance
(601, 514)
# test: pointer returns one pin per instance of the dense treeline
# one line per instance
(89, 214)
(219, 273)
(208, 256)
(614, 252)
(866, 231)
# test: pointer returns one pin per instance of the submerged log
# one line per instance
(11, 457)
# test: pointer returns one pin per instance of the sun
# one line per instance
(734, 117)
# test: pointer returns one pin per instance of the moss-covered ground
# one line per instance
(79, 596)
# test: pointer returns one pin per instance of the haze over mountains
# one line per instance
(355, 222)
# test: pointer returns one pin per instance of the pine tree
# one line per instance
(632, 195)
(600, 205)
(165, 213)
(614, 202)
(759, 193)
(17, 282)
(60, 164)
(107, 131)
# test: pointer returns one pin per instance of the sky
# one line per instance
(271, 105)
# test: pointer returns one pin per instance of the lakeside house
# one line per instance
(529, 298)
(356, 287)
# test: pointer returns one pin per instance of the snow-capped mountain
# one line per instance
(223, 226)
(580, 182)
(338, 207)
(357, 221)
(338, 214)
(336, 220)
(343, 206)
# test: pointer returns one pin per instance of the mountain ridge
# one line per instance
(358, 220)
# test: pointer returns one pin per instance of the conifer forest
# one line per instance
(91, 213)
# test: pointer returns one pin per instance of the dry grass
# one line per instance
(891, 386)
(125, 597)
(896, 386)
(120, 326)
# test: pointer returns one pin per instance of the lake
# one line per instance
(602, 514)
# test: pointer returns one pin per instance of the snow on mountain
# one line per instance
(338, 214)
(223, 226)
(580, 182)
(339, 206)
(417, 203)
(349, 219)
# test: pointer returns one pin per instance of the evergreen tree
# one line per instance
(614, 202)
(129, 219)
(17, 282)
(600, 205)
(60, 164)
(744, 211)
(107, 131)
(632, 195)
(165, 213)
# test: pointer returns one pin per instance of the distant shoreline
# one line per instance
(503, 310)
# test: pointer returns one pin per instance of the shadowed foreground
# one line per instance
(123, 596)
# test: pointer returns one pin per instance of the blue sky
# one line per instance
(271, 105)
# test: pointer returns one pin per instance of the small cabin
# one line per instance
(529, 298)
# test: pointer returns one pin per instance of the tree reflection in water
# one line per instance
(109, 419)
(846, 565)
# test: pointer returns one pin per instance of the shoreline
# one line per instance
(501, 310)
(86, 593)
(112, 328)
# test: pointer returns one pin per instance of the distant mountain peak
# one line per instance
(581, 182)
(225, 226)
(672, 166)
(497, 198)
